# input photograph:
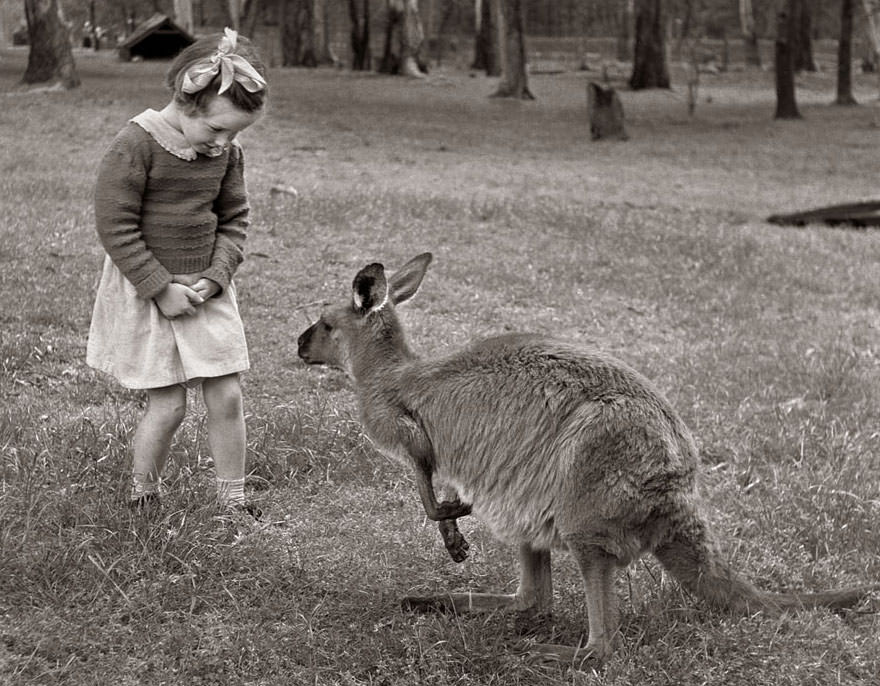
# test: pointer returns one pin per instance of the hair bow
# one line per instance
(230, 66)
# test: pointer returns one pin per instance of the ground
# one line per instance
(764, 337)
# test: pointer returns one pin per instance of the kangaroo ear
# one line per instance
(369, 291)
(405, 281)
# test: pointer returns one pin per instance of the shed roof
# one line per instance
(157, 37)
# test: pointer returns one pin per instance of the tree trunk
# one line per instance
(359, 12)
(872, 15)
(250, 14)
(403, 39)
(321, 20)
(624, 31)
(803, 57)
(233, 8)
(605, 112)
(50, 58)
(508, 17)
(183, 14)
(844, 55)
(649, 59)
(684, 30)
(786, 30)
(750, 34)
(486, 48)
(297, 34)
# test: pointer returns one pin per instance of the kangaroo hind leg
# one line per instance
(597, 569)
(534, 594)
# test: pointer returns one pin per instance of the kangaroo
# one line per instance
(553, 446)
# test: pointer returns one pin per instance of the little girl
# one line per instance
(171, 211)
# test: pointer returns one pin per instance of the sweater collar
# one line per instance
(165, 135)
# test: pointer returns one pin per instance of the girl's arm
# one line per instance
(233, 210)
(119, 190)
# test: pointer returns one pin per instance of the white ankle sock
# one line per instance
(144, 484)
(230, 491)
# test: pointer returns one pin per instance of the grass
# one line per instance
(764, 337)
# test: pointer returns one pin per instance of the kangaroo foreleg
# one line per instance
(437, 511)
(455, 543)
(446, 512)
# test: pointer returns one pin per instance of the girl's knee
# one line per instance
(223, 396)
(167, 405)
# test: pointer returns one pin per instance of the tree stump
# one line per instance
(605, 112)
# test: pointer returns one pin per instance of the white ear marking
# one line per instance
(378, 307)
(357, 302)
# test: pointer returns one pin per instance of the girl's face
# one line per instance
(210, 131)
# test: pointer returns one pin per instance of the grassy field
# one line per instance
(765, 338)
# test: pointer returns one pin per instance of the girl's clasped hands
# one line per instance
(181, 299)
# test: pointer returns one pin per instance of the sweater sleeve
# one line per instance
(122, 178)
(232, 210)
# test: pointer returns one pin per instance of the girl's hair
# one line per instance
(202, 51)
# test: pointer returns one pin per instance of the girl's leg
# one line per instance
(166, 408)
(226, 435)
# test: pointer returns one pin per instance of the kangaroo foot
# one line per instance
(455, 543)
(460, 603)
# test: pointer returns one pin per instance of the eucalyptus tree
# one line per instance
(508, 17)
(786, 40)
(50, 58)
(844, 55)
(649, 56)
(750, 33)
(486, 46)
(404, 37)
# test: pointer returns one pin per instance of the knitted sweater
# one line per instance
(158, 214)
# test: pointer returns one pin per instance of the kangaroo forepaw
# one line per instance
(452, 509)
(455, 543)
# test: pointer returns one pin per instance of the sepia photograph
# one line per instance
(439, 342)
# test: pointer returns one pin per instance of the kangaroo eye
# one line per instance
(327, 327)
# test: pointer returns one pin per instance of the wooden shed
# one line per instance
(159, 37)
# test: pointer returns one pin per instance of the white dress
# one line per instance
(133, 341)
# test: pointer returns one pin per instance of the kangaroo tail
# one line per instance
(693, 557)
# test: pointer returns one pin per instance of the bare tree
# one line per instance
(359, 13)
(508, 18)
(649, 59)
(321, 20)
(244, 14)
(844, 55)
(803, 45)
(404, 36)
(624, 30)
(750, 33)
(183, 14)
(235, 10)
(786, 38)
(486, 47)
(298, 33)
(50, 59)
(872, 16)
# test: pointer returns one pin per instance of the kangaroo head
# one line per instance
(366, 324)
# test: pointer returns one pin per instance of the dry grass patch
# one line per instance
(764, 337)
